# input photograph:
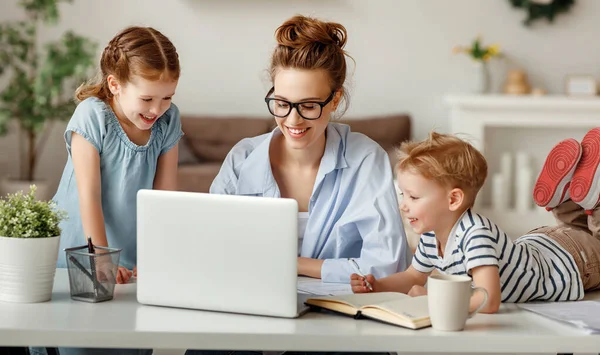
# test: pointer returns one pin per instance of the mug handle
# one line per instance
(485, 298)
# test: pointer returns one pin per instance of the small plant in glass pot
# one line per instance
(29, 239)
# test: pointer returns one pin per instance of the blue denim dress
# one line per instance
(125, 168)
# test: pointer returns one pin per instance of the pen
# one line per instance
(357, 269)
(87, 273)
(93, 266)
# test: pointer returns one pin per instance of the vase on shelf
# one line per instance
(481, 78)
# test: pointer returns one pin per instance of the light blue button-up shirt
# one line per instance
(353, 209)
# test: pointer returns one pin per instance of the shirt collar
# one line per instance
(451, 243)
(256, 176)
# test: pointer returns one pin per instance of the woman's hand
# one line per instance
(360, 286)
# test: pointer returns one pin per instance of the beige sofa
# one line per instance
(208, 139)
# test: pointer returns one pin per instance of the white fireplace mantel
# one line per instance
(528, 118)
(472, 113)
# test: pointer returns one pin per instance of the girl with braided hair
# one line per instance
(122, 137)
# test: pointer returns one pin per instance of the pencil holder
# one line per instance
(92, 276)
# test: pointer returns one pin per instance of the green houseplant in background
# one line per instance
(29, 240)
(40, 79)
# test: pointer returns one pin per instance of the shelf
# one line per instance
(524, 102)
(497, 124)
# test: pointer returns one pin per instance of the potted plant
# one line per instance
(29, 236)
(40, 81)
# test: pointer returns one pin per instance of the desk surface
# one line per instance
(123, 322)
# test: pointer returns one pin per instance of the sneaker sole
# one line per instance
(585, 185)
(552, 185)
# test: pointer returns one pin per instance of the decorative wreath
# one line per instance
(537, 9)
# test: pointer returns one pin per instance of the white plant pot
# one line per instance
(27, 268)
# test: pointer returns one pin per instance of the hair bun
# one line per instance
(302, 31)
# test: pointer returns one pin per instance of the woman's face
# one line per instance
(296, 86)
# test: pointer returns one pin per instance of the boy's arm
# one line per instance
(487, 277)
(402, 281)
(398, 282)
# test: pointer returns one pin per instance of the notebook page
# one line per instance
(411, 307)
(318, 288)
(363, 299)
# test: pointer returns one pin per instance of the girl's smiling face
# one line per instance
(142, 101)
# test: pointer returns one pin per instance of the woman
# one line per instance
(341, 180)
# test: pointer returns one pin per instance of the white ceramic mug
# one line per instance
(449, 297)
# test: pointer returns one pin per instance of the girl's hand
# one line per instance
(135, 271)
(123, 275)
(417, 290)
(360, 286)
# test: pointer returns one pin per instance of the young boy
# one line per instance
(440, 178)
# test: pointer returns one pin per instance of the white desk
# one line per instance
(124, 323)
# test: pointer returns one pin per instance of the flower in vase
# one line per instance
(477, 51)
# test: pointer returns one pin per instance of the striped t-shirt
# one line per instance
(532, 268)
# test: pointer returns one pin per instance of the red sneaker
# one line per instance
(552, 185)
(585, 185)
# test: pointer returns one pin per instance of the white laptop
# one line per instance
(218, 252)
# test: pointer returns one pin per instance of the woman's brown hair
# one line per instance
(311, 44)
(135, 51)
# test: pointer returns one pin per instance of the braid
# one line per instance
(135, 51)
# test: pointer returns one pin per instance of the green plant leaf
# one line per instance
(40, 82)
(22, 216)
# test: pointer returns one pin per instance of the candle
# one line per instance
(523, 187)
(499, 196)
(506, 171)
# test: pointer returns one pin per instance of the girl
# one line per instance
(342, 180)
(122, 137)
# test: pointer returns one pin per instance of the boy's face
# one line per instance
(424, 203)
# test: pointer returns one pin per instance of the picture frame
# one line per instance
(581, 85)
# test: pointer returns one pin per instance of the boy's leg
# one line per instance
(583, 247)
(571, 214)
(585, 185)
(552, 185)
(594, 222)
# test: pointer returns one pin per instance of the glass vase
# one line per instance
(481, 80)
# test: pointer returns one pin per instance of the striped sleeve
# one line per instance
(421, 260)
(480, 248)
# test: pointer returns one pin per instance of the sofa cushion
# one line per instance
(186, 156)
(197, 177)
(388, 131)
(211, 138)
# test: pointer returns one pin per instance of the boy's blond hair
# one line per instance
(448, 160)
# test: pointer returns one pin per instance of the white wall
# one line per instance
(402, 50)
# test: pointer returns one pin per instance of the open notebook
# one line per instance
(389, 307)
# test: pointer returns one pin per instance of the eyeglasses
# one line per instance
(309, 110)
